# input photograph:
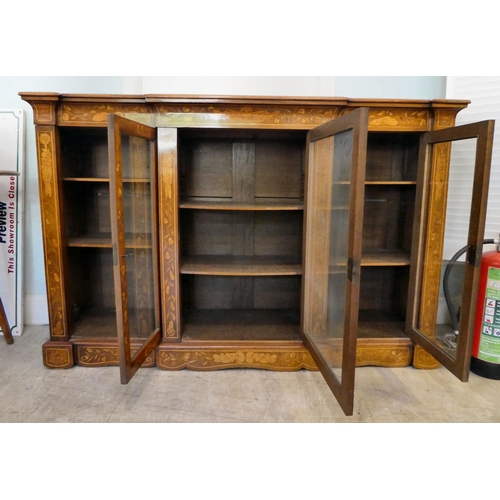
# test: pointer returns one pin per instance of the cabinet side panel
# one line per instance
(51, 209)
(168, 202)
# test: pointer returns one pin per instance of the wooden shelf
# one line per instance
(391, 183)
(385, 258)
(259, 204)
(380, 183)
(380, 325)
(86, 179)
(102, 179)
(388, 258)
(99, 323)
(241, 324)
(103, 240)
(227, 265)
(95, 323)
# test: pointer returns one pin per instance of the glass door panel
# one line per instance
(448, 235)
(336, 171)
(133, 206)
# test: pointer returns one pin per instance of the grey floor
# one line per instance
(31, 393)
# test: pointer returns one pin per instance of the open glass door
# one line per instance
(448, 234)
(333, 230)
(132, 166)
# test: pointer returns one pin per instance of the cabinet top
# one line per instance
(92, 110)
(240, 99)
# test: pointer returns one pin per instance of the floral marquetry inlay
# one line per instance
(103, 356)
(168, 231)
(58, 356)
(213, 359)
(445, 118)
(260, 116)
(418, 120)
(45, 144)
(44, 113)
(47, 169)
(423, 360)
(399, 119)
(85, 113)
(431, 270)
(390, 357)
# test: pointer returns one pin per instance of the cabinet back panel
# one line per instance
(279, 169)
(392, 156)
(207, 169)
(277, 292)
(84, 152)
(278, 233)
(211, 164)
(87, 208)
(211, 232)
(384, 289)
(222, 292)
(388, 217)
(91, 279)
(206, 232)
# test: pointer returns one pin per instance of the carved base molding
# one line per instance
(289, 356)
(389, 353)
(93, 352)
(202, 356)
(104, 353)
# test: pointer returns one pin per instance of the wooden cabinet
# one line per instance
(255, 232)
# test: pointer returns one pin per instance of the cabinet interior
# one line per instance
(241, 218)
(241, 214)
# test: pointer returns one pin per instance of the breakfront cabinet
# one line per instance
(208, 232)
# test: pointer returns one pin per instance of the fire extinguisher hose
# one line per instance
(446, 290)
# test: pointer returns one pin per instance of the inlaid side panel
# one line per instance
(169, 233)
(47, 140)
(435, 229)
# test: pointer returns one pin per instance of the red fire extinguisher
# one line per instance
(485, 359)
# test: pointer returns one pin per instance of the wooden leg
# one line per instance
(4, 325)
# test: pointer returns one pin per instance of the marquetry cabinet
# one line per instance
(212, 232)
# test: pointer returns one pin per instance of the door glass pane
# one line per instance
(448, 214)
(138, 221)
(329, 326)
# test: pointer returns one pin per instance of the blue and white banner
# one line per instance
(12, 215)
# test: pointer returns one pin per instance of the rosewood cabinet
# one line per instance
(280, 233)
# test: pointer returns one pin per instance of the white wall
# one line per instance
(233, 85)
(395, 87)
(34, 281)
(484, 94)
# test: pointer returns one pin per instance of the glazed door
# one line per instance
(133, 172)
(454, 170)
(332, 253)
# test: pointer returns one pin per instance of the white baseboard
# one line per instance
(35, 309)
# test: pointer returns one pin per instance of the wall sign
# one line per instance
(12, 215)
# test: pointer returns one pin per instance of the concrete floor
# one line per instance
(31, 393)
